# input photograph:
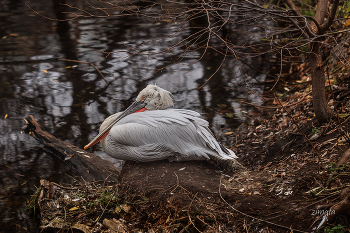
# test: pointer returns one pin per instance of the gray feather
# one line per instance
(174, 134)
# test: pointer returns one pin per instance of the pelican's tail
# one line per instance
(227, 153)
(214, 148)
(221, 151)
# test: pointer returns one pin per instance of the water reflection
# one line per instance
(70, 100)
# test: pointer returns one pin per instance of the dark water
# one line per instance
(70, 99)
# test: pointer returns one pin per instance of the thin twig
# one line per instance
(189, 217)
(85, 62)
(104, 209)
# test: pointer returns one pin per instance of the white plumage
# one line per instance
(159, 132)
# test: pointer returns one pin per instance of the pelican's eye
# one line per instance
(143, 98)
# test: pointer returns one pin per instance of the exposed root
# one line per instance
(336, 209)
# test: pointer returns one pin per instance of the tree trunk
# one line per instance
(318, 84)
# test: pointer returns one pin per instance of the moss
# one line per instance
(32, 204)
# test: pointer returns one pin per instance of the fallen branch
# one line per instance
(87, 165)
(344, 158)
(341, 161)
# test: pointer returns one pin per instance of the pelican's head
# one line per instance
(150, 98)
(155, 98)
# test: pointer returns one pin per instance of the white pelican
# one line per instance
(150, 129)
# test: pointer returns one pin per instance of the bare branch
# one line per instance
(330, 17)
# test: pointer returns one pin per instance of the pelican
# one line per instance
(151, 129)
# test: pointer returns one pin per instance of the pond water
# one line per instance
(71, 99)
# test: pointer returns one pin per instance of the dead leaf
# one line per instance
(45, 71)
(315, 136)
(222, 105)
(347, 23)
(229, 115)
(126, 208)
(343, 115)
(74, 208)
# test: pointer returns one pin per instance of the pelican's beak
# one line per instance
(134, 107)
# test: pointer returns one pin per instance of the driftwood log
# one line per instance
(87, 166)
